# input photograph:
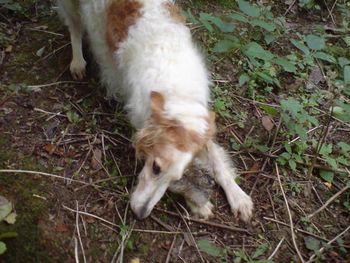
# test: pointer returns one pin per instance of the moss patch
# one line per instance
(21, 190)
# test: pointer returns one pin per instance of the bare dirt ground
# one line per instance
(53, 125)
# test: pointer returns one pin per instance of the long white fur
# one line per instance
(158, 54)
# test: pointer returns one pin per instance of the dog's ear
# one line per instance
(157, 106)
(212, 126)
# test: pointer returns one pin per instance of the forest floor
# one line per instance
(73, 164)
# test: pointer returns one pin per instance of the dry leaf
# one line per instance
(252, 171)
(53, 149)
(61, 228)
(267, 122)
(50, 148)
(96, 159)
(135, 260)
(9, 49)
(329, 185)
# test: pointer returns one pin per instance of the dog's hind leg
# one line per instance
(215, 159)
(70, 11)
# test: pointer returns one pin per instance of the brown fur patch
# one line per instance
(121, 14)
(175, 13)
(162, 131)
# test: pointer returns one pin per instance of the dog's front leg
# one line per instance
(215, 159)
(71, 13)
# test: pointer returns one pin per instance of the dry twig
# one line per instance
(276, 249)
(217, 225)
(78, 232)
(289, 214)
(330, 200)
(328, 243)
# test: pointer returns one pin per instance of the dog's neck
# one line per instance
(193, 114)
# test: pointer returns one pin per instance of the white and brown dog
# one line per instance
(146, 56)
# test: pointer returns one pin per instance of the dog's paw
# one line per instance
(77, 69)
(242, 207)
(204, 211)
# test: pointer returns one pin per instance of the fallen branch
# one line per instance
(231, 228)
(55, 83)
(113, 224)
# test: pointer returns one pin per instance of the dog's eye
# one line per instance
(156, 169)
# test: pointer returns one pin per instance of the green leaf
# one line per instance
(261, 250)
(347, 40)
(301, 46)
(11, 218)
(327, 176)
(345, 116)
(254, 50)
(205, 18)
(73, 117)
(309, 60)
(269, 38)
(343, 61)
(248, 9)
(345, 148)
(244, 78)
(272, 111)
(301, 132)
(291, 105)
(315, 42)
(8, 235)
(286, 64)
(5, 208)
(326, 149)
(285, 155)
(262, 148)
(268, 79)
(225, 45)
(292, 164)
(312, 244)
(191, 17)
(2, 248)
(332, 162)
(239, 17)
(264, 25)
(338, 112)
(325, 56)
(347, 75)
(207, 247)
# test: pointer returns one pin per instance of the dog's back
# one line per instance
(144, 45)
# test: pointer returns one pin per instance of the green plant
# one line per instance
(242, 256)
(11, 5)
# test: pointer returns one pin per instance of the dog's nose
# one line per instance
(142, 213)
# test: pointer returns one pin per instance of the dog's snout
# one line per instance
(142, 213)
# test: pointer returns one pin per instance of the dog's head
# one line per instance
(168, 148)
